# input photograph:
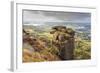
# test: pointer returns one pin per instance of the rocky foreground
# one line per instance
(61, 46)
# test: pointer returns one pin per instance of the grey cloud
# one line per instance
(30, 16)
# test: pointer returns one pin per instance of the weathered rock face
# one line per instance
(63, 39)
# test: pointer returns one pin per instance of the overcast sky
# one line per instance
(39, 17)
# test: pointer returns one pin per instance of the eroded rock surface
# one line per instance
(63, 39)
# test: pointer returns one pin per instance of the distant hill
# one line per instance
(80, 28)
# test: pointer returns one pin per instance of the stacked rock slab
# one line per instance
(63, 39)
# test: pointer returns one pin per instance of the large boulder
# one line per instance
(63, 39)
